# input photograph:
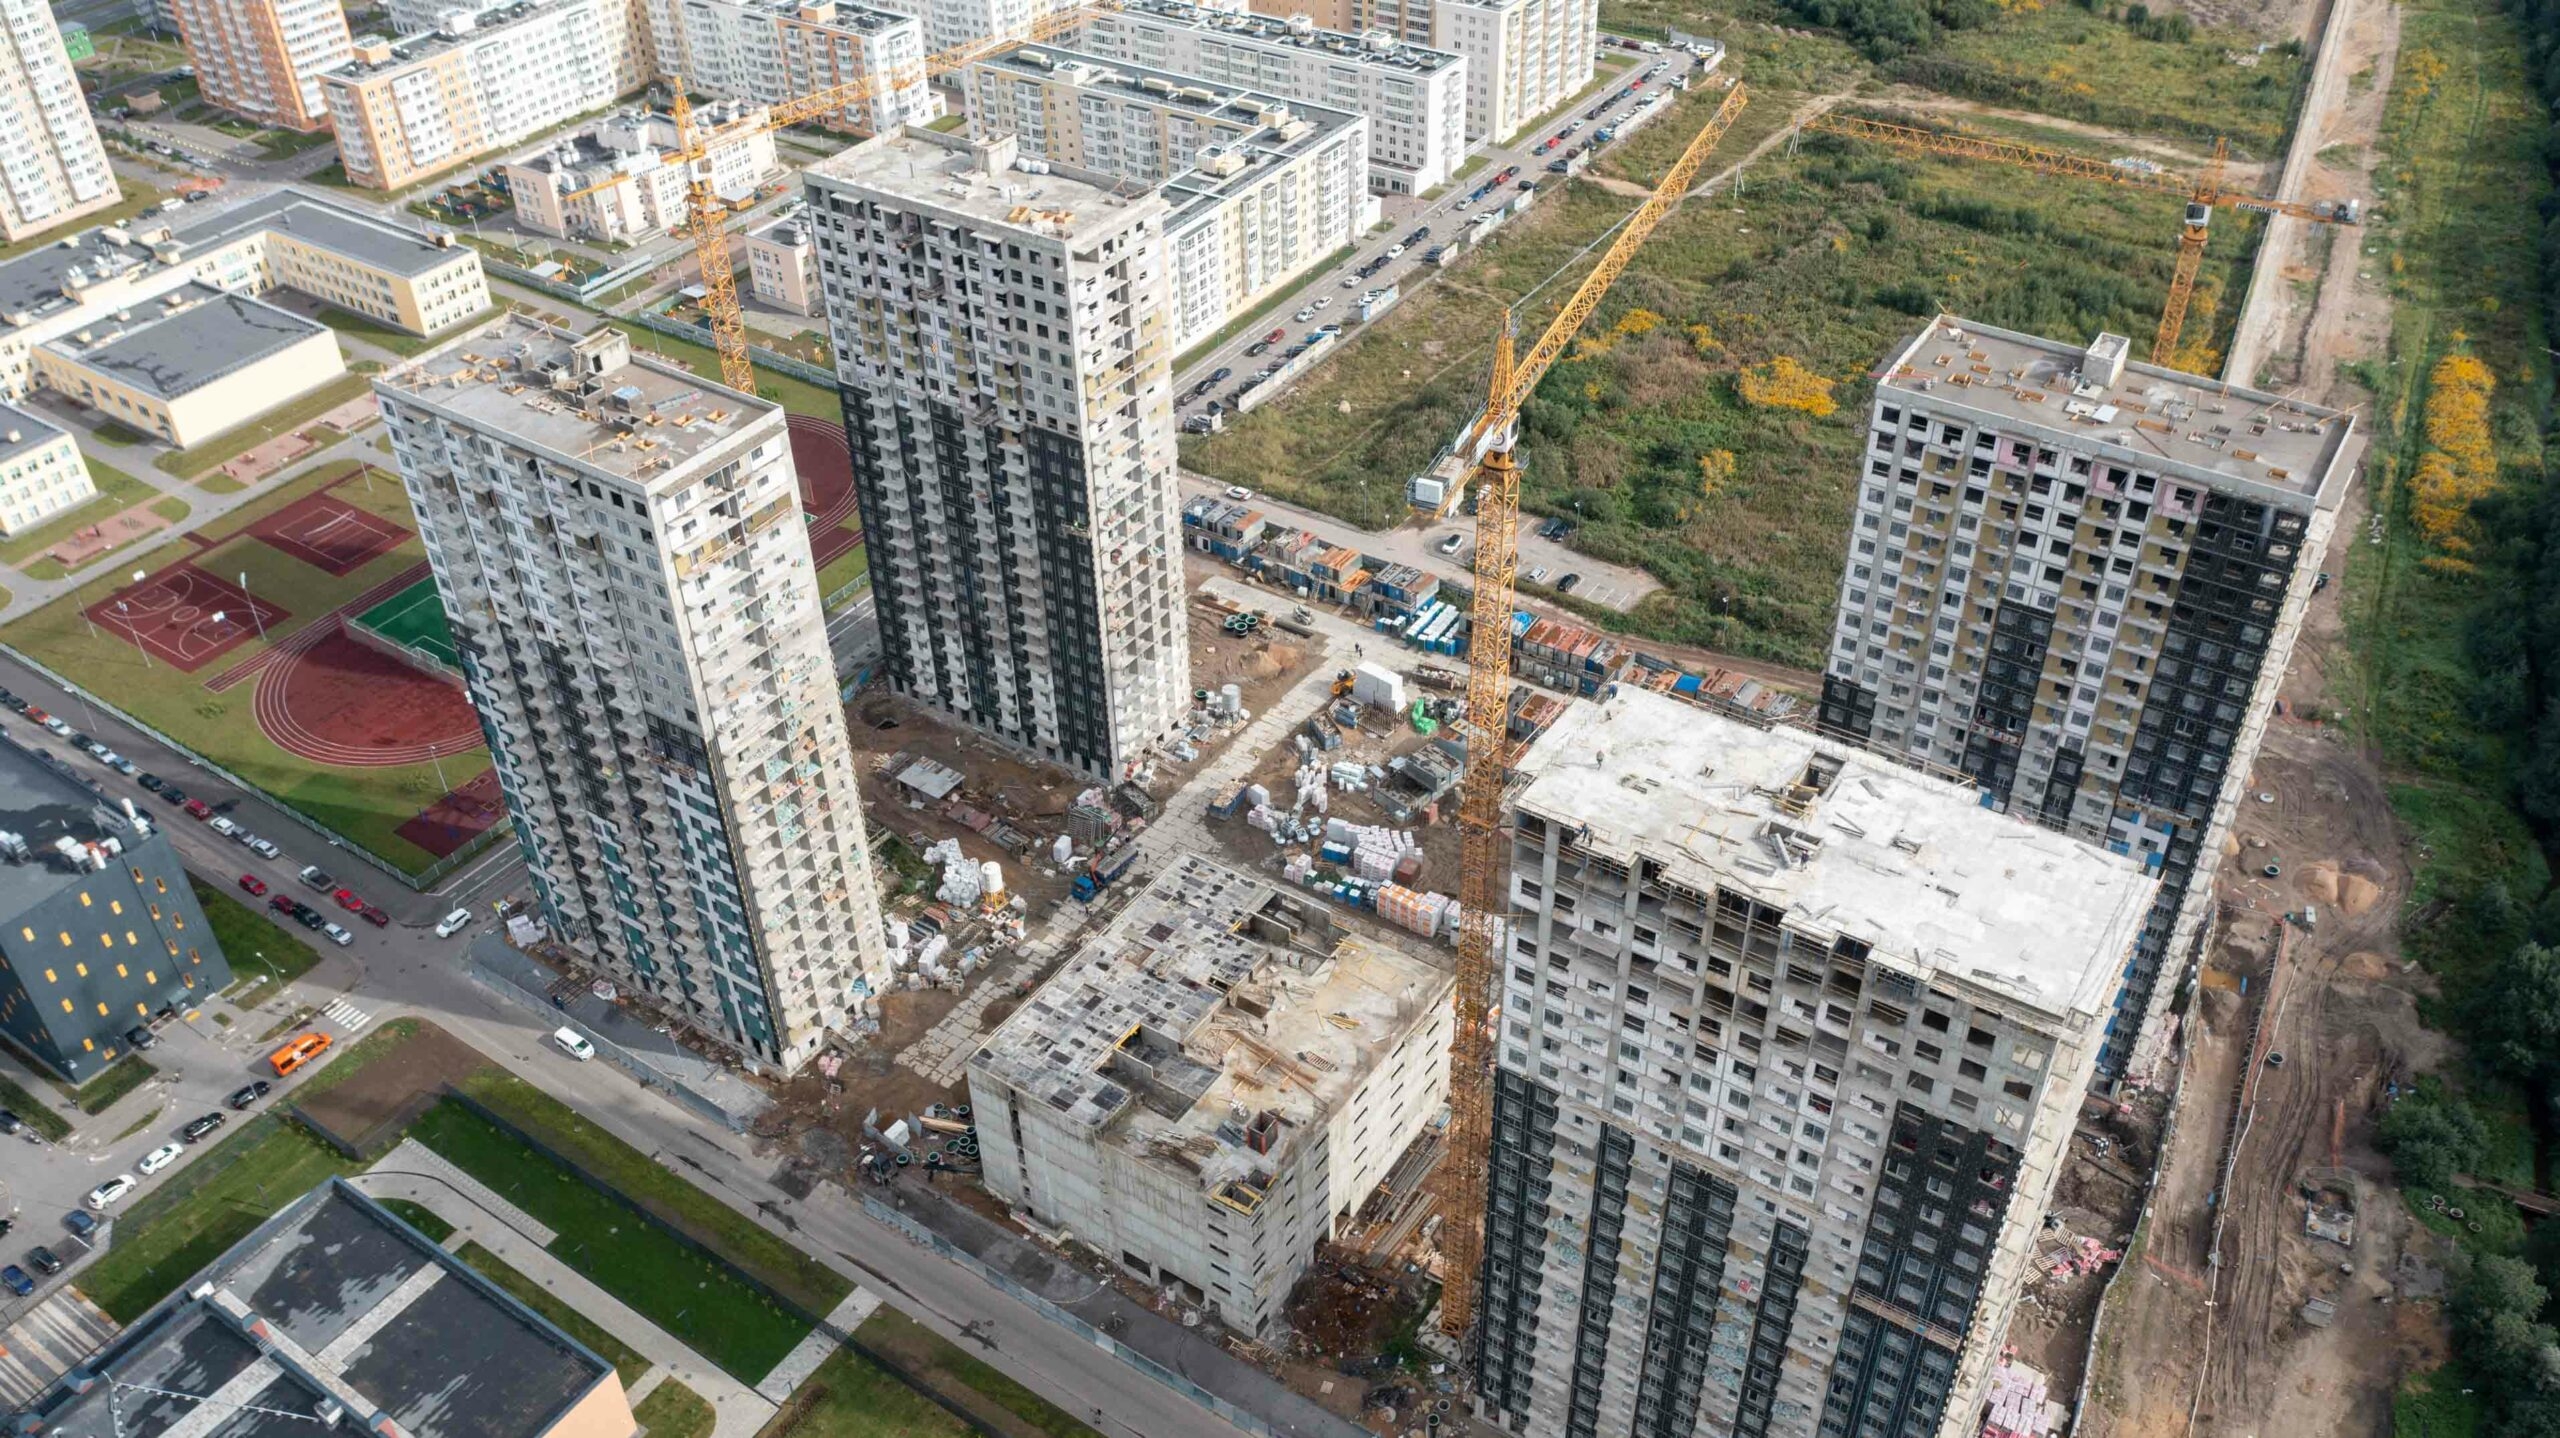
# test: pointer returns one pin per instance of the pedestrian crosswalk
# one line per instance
(345, 1015)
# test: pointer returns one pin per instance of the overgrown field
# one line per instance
(1830, 258)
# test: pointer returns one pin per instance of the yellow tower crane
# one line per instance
(2203, 193)
(705, 212)
(1482, 892)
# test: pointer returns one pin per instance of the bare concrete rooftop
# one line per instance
(930, 168)
(1212, 993)
(589, 398)
(1843, 843)
(2232, 438)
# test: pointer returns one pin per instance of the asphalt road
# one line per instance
(406, 970)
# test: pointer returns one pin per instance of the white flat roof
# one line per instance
(1914, 866)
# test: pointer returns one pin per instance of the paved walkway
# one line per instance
(413, 1172)
(802, 1361)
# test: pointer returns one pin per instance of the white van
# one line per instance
(573, 1044)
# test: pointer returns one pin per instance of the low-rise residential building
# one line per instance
(262, 59)
(618, 179)
(99, 931)
(191, 364)
(418, 284)
(52, 168)
(409, 109)
(1258, 188)
(782, 266)
(336, 1313)
(1414, 97)
(41, 471)
(1213, 1085)
(770, 51)
(1792, 1045)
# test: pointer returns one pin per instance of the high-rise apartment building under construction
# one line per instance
(2077, 580)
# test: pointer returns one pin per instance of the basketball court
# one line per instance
(184, 617)
(329, 534)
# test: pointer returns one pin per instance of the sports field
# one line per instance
(272, 643)
(414, 619)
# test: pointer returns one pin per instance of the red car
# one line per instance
(374, 916)
(253, 884)
(36, 716)
(346, 899)
(199, 809)
(1275, 337)
(282, 904)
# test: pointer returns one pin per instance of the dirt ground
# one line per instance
(1033, 797)
(387, 1089)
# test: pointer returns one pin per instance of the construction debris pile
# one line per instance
(2017, 1404)
(2078, 1256)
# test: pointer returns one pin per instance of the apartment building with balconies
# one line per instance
(1005, 360)
(619, 547)
(2077, 580)
(52, 168)
(622, 177)
(262, 59)
(1792, 1042)
(767, 52)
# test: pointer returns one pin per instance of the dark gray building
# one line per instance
(98, 929)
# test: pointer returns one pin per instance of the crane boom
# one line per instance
(1483, 895)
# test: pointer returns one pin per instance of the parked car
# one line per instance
(124, 766)
(373, 914)
(1451, 542)
(263, 848)
(248, 1094)
(318, 878)
(81, 1223)
(1323, 302)
(1566, 584)
(1220, 375)
(573, 1044)
(108, 1192)
(172, 794)
(197, 809)
(283, 904)
(308, 917)
(453, 923)
(141, 1037)
(46, 1261)
(151, 783)
(338, 935)
(1538, 575)
(1275, 337)
(196, 1129)
(252, 885)
(346, 899)
(16, 1281)
(1394, 250)
(1258, 347)
(1304, 314)
(51, 722)
(220, 825)
(159, 1158)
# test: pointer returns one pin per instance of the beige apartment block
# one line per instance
(193, 364)
(619, 179)
(1009, 325)
(1524, 57)
(113, 275)
(782, 266)
(1415, 98)
(41, 471)
(768, 51)
(1213, 1086)
(52, 168)
(410, 109)
(262, 59)
(648, 655)
(1792, 1044)
(1257, 188)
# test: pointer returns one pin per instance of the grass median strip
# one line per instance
(189, 1218)
(625, 1360)
(420, 1217)
(128, 1073)
(849, 1397)
(697, 1299)
(973, 1384)
(38, 1114)
(674, 1411)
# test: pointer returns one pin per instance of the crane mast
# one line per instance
(1483, 894)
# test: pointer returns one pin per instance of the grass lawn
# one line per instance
(673, 1411)
(138, 197)
(568, 1320)
(949, 123)
(419, 1217)
(635, 1176)
(205, 455)
(40, 1116)
(262, 952)
(797, 396)
(1837, 253)
(121, 1077)
(2437, 1404)
(187, 1219)
(1319, 272)
(696, 1299)
(846, 569)
(138, 1125)
(957, 1375)
(121, 435)
(365, 804)
(117, 492)
(851, 1397)
(383, 337)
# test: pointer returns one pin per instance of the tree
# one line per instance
(2430, 1135)
(2515, 1019)
(2495, 1310)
